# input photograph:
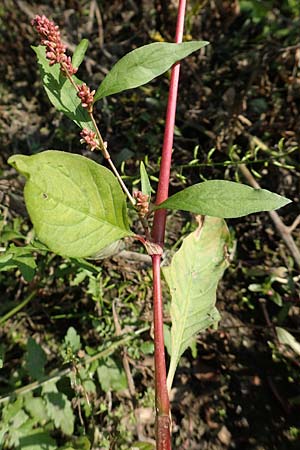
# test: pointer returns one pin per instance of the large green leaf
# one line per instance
(111, 375)
(60, 91)
(143, 64)
(37, 439)
(36, 407)
(224, 199)
(192, 278)
(59, 408)
(76, 206)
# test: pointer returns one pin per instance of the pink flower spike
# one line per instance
(46, 28)
(55, 49)
(70, 68)
(142, 202)
(89, 138)
(86, 97)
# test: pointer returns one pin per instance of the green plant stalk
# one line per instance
(102, 145)
(57, 375)
(163, 415)
(17, 308)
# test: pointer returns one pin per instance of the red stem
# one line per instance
(159, 223)
(163, 439)
(163, 417)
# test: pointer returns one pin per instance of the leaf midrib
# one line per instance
(185, 314)
(88, 215)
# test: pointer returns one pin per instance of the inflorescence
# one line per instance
(55, 49)
(56, 54)
(142, 203)
(89, 138)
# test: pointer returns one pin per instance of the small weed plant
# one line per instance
(79, 208)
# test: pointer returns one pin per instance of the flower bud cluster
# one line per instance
(89, 138)
(55, 49)
(142, 203)
(86, 96)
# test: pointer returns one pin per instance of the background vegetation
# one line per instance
(62, 380)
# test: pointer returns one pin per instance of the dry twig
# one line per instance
(283, 230)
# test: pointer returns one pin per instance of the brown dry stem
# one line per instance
(283, 230)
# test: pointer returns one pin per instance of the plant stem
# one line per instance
(102, 144)
(69, 76)
(58, 374)
(115, 171)
(159, 223)
(163, 416)
(17, 308)
(163, 422)
(106, 155)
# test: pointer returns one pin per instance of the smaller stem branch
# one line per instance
(102, 144)
(69, 76)
(15, 310)
(106, 155)
(115, 171)
(58, 374)
(146, 227)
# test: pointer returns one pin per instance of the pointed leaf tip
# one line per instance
(144, 64)
(145, 182)
(225, 199)
(19, 162)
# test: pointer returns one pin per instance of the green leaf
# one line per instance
(21, 258)
(79, 52)
(10, 410)
(36, 408)
(60, 91)
(287, 338)
(20, 425)
(76, 206)
(145, 182)
(35, 359)
(143, 64)
(167, 338)
(81, 443)
(192, 278)
(59, 408)
(72, 339)
(224, 199)
(37, 440)
(111, 375)
(142, 446)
